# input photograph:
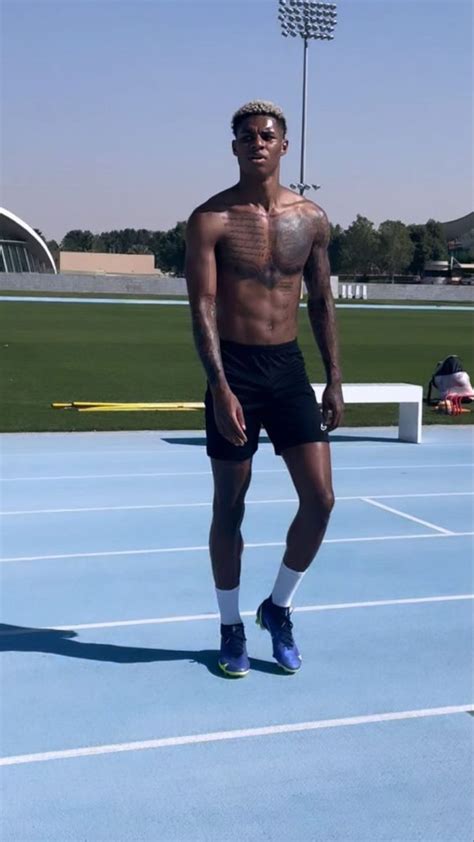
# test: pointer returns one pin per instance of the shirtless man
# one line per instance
(247, 250)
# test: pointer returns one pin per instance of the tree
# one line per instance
(418, 237)
(156, 241)
(396, 248)
(465, 256)
(437, 240)
(361, 246)
(336, 248)
(144, 237)
(128, 238)
(98, 244)
(171, 251)
(54, 251)
(112, 241)
(77, 240)
(430, 244)
(120, 242)
(52, 244)
(139, 249)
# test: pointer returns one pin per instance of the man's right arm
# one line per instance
(200, 272)
(202, 233)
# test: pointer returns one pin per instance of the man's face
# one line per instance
(259, 145)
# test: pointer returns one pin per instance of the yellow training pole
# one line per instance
(82, 406)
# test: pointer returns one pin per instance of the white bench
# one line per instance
(407, 395)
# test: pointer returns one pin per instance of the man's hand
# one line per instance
(229, 416)
(333, 406)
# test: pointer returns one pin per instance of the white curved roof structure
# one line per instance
(14, 228)
(458, 227)
(461, 231)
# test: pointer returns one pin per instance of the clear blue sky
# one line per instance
(117, 114)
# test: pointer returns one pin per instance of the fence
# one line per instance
(156, 285)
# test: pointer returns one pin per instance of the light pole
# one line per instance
(309, 21)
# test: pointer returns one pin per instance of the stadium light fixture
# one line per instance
(310, 21)
(302, 187)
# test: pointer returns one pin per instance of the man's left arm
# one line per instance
(322, 316)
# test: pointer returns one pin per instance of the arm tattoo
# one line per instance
(206, 338)
(322, 316)
(321, 311)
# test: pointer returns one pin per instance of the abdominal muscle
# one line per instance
(252, 314)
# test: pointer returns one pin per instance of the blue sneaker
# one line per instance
(233, 658)
(277, 621)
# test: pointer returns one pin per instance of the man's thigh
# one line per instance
(294, 418)
(310, 469)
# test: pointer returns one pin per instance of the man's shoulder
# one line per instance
(216, 205)
(207, 221)
(301, 205)
(314, 210)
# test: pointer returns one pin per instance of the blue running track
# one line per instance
(117, 725)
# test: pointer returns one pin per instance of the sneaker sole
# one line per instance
(287, 669)
(224, 669)
(259, 622)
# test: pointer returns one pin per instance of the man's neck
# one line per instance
(263, 193)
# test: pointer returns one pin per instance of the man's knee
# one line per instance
(320, 501)
(327, 502)
(228, 514)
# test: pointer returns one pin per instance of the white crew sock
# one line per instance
(285, 586)
(228, 602)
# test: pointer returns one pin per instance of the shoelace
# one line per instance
(236, 641)
(286, 633)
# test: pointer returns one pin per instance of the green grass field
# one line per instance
(64, 352)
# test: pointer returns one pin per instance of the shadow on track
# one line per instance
(62, 642)
(200, 441)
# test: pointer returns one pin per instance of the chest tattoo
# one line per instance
(268, 250)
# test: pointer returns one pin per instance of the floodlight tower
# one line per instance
(309, 21)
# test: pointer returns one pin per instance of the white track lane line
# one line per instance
(193, 618)
(209, 473)
(385, 508)
(205, 547)
(242, 733)
(365, 498)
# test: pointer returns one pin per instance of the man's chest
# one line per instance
(264, 247)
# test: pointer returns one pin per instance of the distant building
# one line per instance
(448, 272)
(21, 248)
(459, 234)
(91, 262)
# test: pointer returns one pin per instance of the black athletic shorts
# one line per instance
(272, 386)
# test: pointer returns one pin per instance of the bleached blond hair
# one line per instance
(259, 107)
